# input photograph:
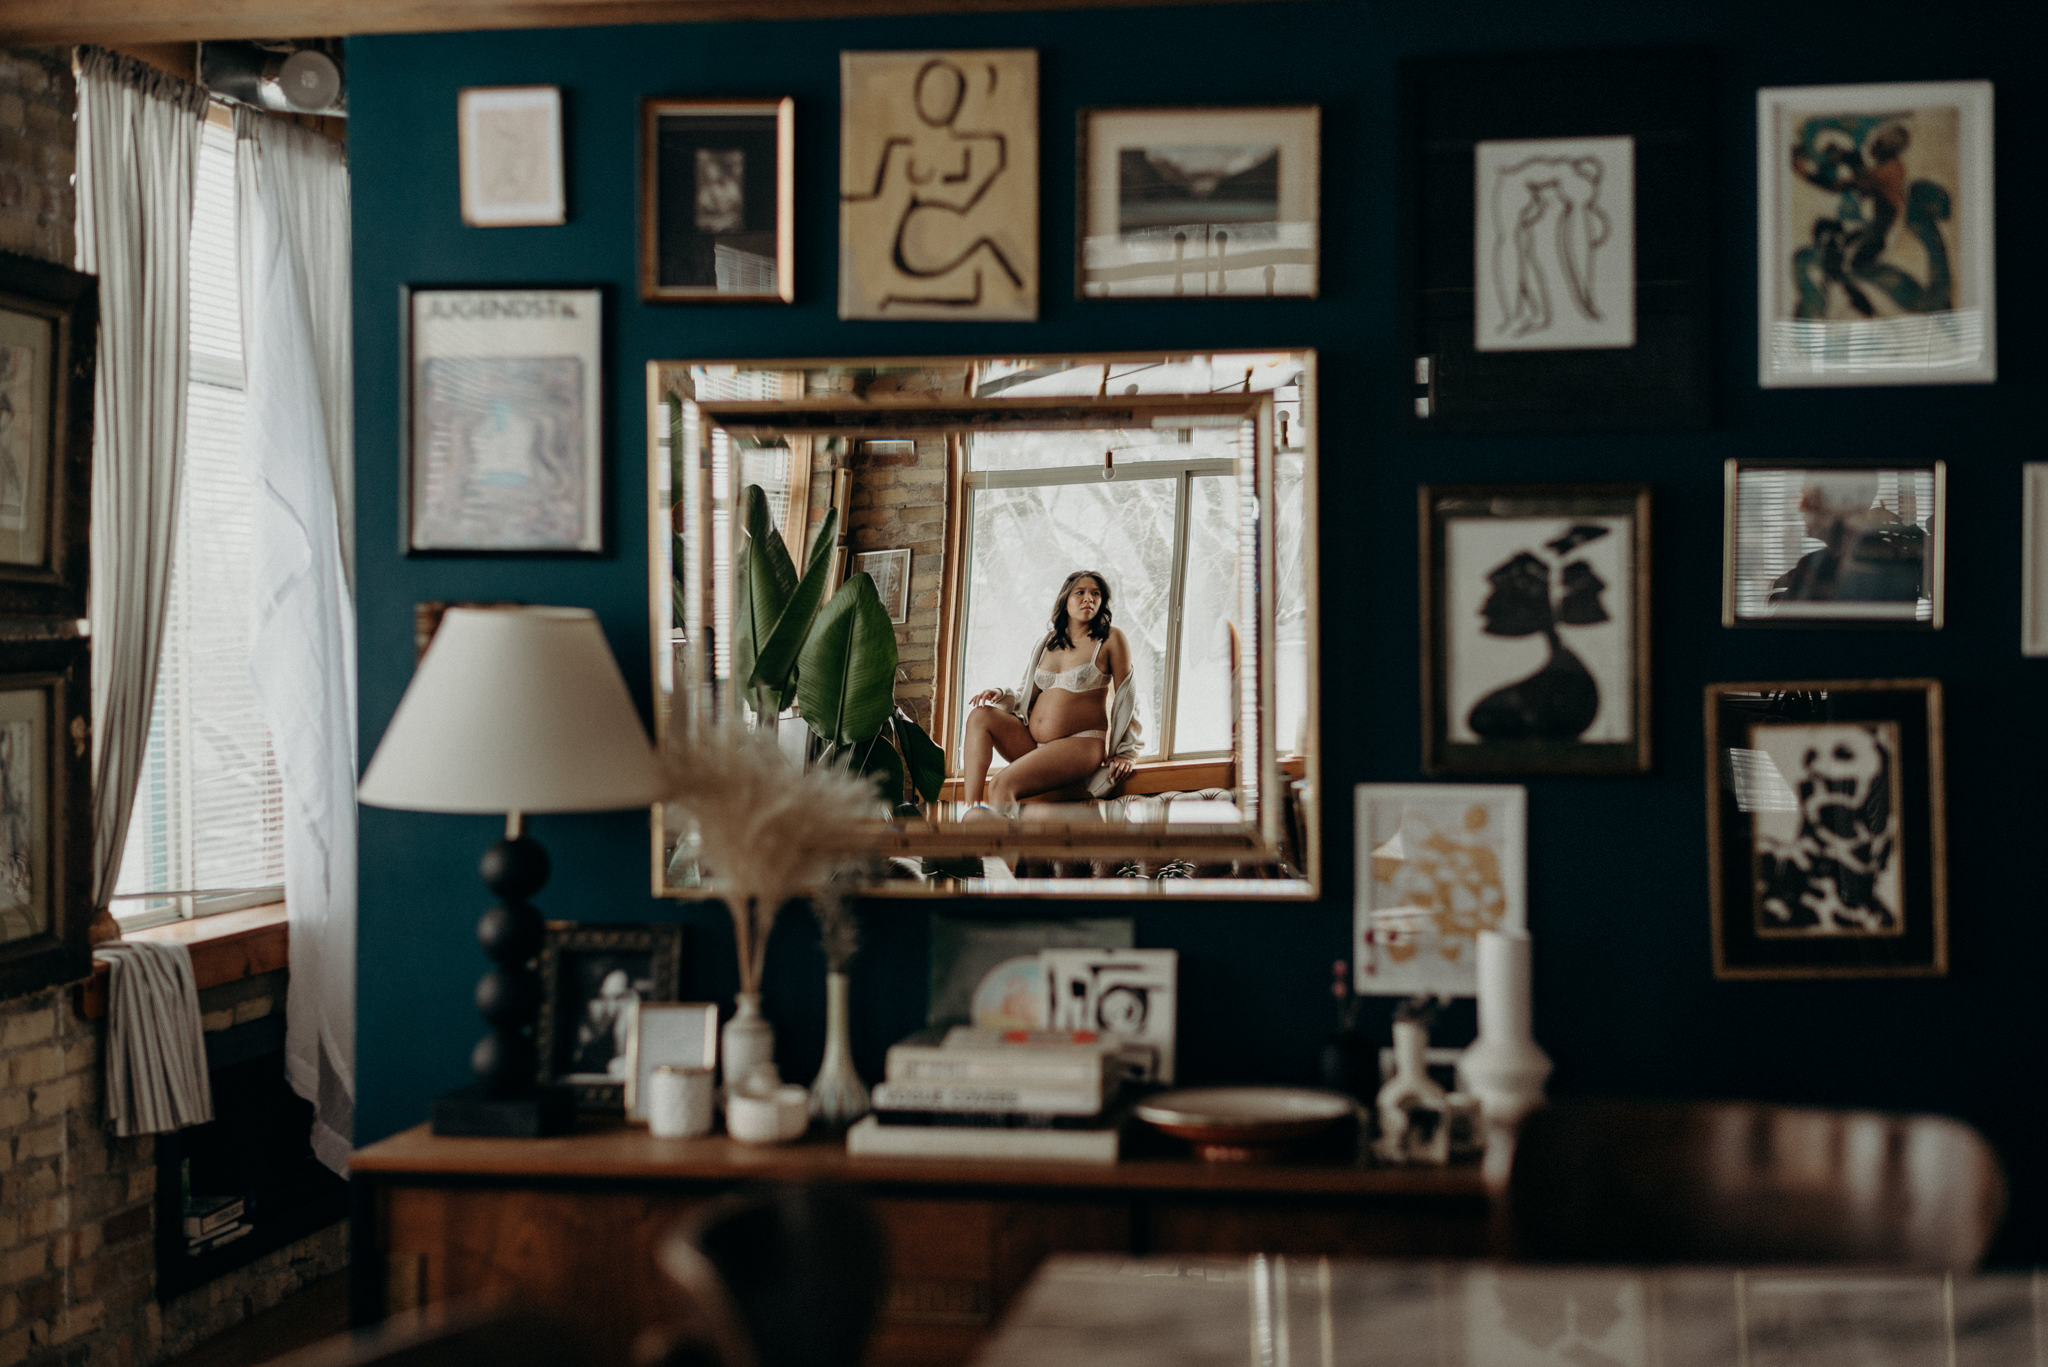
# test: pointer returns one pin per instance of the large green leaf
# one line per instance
(877, 759)
(764, 582)
(778, 653)
(846, 673)
(921, 756)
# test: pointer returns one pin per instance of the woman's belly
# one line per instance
(1060, 713)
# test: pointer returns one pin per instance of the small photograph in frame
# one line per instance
(49, 325)
(1535, 629)
(45, 815)
(717, 201)
(502, 431)
(891, 572)
(1874, 235)
(509, 146)
(594, 980)
(1834, 544)
(1826, 839)
(681, 1033)
(1437, 864)
(1200, 203)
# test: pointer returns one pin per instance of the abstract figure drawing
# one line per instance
(1560, 700)
(1860, 159)
(1565, 191)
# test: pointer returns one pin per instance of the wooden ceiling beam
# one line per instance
(117, 23)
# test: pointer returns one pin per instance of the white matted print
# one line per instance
(891, 572)
(1874, 252)
(504, 447)
(938, 185)
(1824, 801)
(1188, 203)
(1437, 864)
(510, 149)
(1554, 244)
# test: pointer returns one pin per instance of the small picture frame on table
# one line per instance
(1535, 629)
(45, 814)
(1826, 840)
(1874, 235)
(717, 201)
(1200, 203)
(681, 1033)
(49, 326)
(593, 981)
(1835, 543)
(1437, 864)
(509, 149)
(891, 572)
(501, 431)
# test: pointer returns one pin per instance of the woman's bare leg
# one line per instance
(990, 729)
(1055, 764)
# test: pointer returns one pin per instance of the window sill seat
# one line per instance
(225, 948)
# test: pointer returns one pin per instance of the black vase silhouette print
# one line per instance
(1560, 700)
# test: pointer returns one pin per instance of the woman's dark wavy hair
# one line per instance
(1097, 630)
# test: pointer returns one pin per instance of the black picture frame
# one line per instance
(1861, 890)
(575, 961)
(1787, 560)
(535, 357)
(45, 813)
(1488, 711)
(49, 335)
(717, 174)
(1660, 98)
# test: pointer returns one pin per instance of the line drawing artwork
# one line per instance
(950, 190)
(1825, 802)
(1554, 244)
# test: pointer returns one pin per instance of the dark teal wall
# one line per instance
(1626, 1001)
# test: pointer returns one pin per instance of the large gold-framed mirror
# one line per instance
(969, 489)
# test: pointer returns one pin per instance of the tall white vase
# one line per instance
(838, 1096)
(1504, 1068)
(747, 1041)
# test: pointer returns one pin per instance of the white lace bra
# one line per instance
(1085, 677)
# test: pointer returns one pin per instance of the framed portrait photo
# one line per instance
(1200, 203)
(1826, 841)
(45, 815)
(593, 981)
(49, 326)
(717, 201)
(509, 147)
(891, 572)
(502, 427)
(1536, 629)
(1437, 864)
(1874, 235)
(684, 1034)
(1835, 544)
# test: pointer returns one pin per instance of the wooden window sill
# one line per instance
(225, 948)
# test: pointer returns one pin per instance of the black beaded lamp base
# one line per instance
(470, 1111)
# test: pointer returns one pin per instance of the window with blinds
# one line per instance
(207, 830)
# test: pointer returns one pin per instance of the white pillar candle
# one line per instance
(1504, 1008)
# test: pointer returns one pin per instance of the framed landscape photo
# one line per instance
(1437, 864)
(45, 814)
(1826, 841)
(1536, 629)
(684, 1034)
(49, 328)
(1200, 203)
(509, 149)
(594, 980)
(501, 433)
(717, 201)
(1874, 235)
(891, 572)
(1835, 544)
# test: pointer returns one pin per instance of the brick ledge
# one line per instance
(225, 948)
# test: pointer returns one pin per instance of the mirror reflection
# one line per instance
(1091, 580)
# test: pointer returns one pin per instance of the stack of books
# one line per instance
(211, 1221)
(1018, 1094)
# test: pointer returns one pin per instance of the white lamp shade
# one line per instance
(514, 710)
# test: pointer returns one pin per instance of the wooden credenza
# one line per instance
(572, 1223)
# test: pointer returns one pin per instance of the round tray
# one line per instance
(1243, 1124)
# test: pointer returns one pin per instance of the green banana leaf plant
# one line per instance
(835, 660)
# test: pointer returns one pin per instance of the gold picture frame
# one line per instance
(718, 201)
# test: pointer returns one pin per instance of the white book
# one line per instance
(870, 1138)
(1033, 1098)
(987, 1057)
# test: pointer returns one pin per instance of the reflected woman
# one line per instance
(1072, 721)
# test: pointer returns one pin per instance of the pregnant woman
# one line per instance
(1072, 720)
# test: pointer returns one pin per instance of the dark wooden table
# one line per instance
(1316, 1312)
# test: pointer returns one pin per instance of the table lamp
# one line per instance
(515, 710)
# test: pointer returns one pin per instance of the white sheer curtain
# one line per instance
(292, 189)
(138, 151)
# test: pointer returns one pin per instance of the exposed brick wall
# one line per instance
(899, 500)
(38, 147)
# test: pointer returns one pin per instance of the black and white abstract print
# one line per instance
(1554, 244)
(1824, 803)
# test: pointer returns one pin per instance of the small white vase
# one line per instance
(1504, 1068)
(838, 1096)
(747, 1041)
(1411, 1087)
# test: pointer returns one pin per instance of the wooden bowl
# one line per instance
(1243, 1124)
